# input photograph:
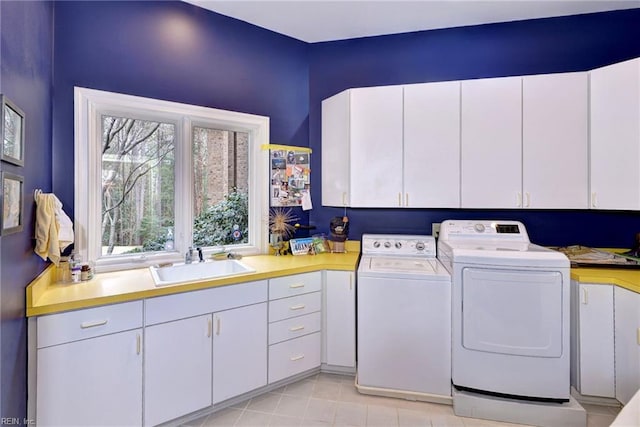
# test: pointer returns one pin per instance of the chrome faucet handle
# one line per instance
(200, 256)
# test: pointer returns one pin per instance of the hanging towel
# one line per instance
(54, 229)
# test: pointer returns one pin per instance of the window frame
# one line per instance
(91, 104)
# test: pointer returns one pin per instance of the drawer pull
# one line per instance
(87, 325)
(209, 327)
(217, 326)
(294, 358)
(297, 307)
(296, 328)
(296, 285)
(138, 343)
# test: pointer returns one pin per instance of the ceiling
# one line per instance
(317, 21)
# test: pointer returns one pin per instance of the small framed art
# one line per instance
(12, 132)
(11, 203)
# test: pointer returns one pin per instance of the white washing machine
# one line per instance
(404, 319)
(510, 311)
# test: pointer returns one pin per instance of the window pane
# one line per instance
(221, 185)
(137, 185)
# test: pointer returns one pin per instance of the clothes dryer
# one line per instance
(510, 311)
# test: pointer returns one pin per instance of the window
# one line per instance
(153, 178)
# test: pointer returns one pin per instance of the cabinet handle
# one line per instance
(638, 336)
(528, 197)
(217, 326)
(138, 344)
(518, 199)
(350, 282)
(406, 199)
(209, 327)
(296, 328)
(297, 307)
(594, 200)
(86, 325)
(399, 199)
(296, 285)
(585, 296)
(294, 358)
(344, 198)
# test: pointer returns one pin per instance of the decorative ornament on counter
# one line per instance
(339, 227)
(281, 229)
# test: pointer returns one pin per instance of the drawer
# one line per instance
(196, 303)
(286, 308)
(294, 356)
(282, 287)
(88, 323)
(294, 327)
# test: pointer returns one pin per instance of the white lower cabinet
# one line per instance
(593, 372)
(153, 361)
(89, 367)
(627, 343)
(295, 305)
(239, 351)
(340, 319)
(177, 377)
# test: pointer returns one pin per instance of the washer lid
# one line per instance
(403, 266)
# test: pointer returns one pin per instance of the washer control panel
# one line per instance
(399, 245)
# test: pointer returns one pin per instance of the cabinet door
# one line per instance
(554, 141)
(97, 381)
(615, 136)
(239, 351)
(340, 314)
(595, 335)
(432, 145)
(627, 343)
(491, 143)
(376, 147)
(335, 150)
(177, 377)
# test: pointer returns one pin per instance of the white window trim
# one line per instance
(90, 104)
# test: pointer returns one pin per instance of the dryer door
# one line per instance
(516, 312)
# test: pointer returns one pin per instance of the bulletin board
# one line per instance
(290, 176)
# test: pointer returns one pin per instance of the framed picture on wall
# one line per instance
(12, 202)
(12, 132)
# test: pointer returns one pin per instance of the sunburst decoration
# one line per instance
(279, 222)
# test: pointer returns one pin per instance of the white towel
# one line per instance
(54, 229)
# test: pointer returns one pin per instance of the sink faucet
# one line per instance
(188, 257)
(200, 257)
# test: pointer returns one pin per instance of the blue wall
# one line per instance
(177, 52)
(26, 32)
(575, 43)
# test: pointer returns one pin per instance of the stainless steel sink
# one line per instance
(178, 273)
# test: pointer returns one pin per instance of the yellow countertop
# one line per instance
(46, 297)
(625, 278)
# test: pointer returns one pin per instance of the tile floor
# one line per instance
(332, 400)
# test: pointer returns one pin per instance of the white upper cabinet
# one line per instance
(336, 150)
(362, 148)
(615, 136)
(432, 145)
(392, 146)
(491, 150)
(376, 146)
(555, 141)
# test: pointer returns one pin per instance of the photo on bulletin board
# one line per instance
(290, 177)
